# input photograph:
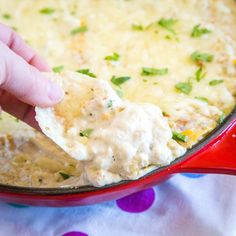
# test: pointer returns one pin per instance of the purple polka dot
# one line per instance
(75, 233)
(137, 202)
(192, 175)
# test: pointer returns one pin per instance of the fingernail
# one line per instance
(55, 92)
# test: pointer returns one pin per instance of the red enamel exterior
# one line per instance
(218, 156)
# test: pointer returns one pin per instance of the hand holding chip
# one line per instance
(22, 85)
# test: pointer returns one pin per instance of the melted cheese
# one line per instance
(109, 25)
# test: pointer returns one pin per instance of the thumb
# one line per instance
(25, 82)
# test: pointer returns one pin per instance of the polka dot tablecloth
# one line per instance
(186, 205)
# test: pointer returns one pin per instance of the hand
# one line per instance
(22, 85)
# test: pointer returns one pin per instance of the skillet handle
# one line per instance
(219, 156)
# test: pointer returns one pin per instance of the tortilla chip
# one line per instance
(60, 123)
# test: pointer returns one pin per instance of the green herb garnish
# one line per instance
(197, 31)
(114, 57)
(215, 82)
(109, 103)
(137, 27)
(168, 24)
(184, 87)
(168, 37)
(47, 11)
(119, 92)
(201, 57)
(119, 80)
(200, 74)
(154, 71)
(6, 16)
(179, 136)
(86, 133)
(221, 118)
(58, 69)
(81, 29)
(202, 99)
(64, 175)
(86, 72)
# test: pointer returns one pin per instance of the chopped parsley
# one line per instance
(201, 57)
(168, 24)
(114, 57)
(146, 71)
(109, 103)
(184, 87)
(165, 113)
(202, 99)
(119, 93)
(168, 37)
(64, 175)
(197, 31)
(6, 16)
(58, 69)
(119, 80)
(200, 74)
(86, 133)
(179, 136)
(47, 11)
(86, 72)
(81, 29)
(215, 82)
(221, 118)
(137, 27)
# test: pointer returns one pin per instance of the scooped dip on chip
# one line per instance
(115, 139)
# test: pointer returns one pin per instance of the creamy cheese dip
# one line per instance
(113, 138)
(180, 63)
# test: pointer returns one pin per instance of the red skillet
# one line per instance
(215, 154)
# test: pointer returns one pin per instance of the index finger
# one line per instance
(18, 45)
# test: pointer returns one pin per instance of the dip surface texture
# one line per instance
(170, 64)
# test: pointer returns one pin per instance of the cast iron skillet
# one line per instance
(216, 153)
